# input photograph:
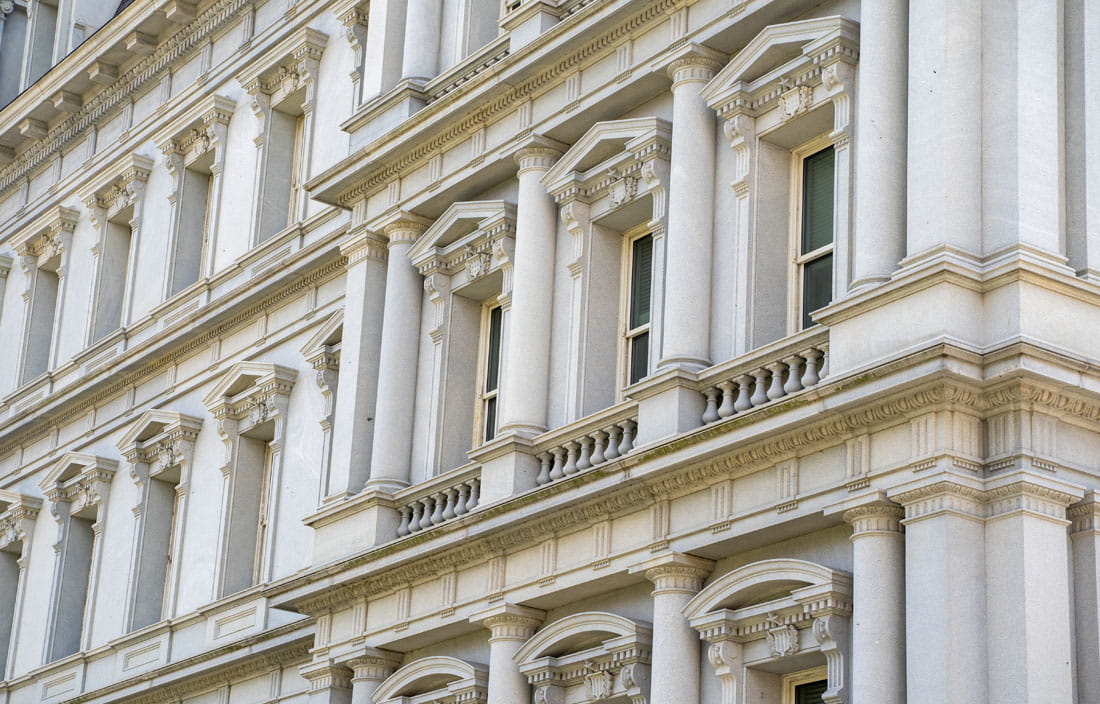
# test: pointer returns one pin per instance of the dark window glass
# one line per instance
(810, 693)
(817, 286)
(817, 200)
(641, 280)
(639, 357)
(492, 371)
(490, 419)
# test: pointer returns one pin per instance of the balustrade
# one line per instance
(588, 449)
(438, 505)
(768, 376)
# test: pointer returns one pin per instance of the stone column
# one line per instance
(393, 420)
(370, 668)
(880, 141)
(676, 579)
(510, 627)
(1085, 538)
(329, 683)
(686, 335)
(945, 606)
(878, 613)
(1028, 589)
(527, 356)
(352, 431)
(423, 22)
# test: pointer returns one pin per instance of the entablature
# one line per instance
(118, 188)
(289, 68)
(159, 441)
(468, 241)
(18, 513)
(80, 480)
(44, 242)
(251, 393)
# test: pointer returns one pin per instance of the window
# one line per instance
(39, 56)
(45, 283)
(13, 31)
(638, 305)
(815, 248)
(489, 385)
(805, 687)
(192, 225)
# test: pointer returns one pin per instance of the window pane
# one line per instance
(817, 200)
(641, 280)
(810, 693)
(639, 357)
(490, 419)
(817, 286)
(492, 371)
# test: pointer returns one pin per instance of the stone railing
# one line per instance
(439, 500)
(597, 439)
(765, 375)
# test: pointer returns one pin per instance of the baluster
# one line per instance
(597, 447)
(559, 461)
(545, 462)
(823, 370)
(711, 413)
(463, 493)
(449, 510)
(776, 389)
(726, 409)
(571, 458)
(585, 459)
(475, 493)
(403, 529)
(760, 395)
(414, 520)
(744, 400)
(437, 508)
(810, 377)
(612, 450)
(794, 377)
(627, 443)
(426, 514)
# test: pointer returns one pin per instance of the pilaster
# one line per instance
(329, 683)
(1084, 534)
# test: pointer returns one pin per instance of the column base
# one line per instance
(508, 467)
(365, 520)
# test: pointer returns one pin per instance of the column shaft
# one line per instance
(1085, 537)
(878, 609)
(391, 457)
(352, 426)
(944, 177)
(527, 356)
(686, 335)
(422, 30)
(880, 140)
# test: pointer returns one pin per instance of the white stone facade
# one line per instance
(549, 351)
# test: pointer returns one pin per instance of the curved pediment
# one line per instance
(780, 51)
(579, 632)
(761, 582)
(456, 225)
(431, 674)
(601, 144)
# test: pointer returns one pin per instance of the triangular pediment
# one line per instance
(243, 376)
(460, 221)
(778, 50)
(154, 422)
(75, 464)
(330, 333)
(602, 142)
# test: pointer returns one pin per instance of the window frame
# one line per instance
(626, 333)
(484, 397)
(792, 680)
(798, 258)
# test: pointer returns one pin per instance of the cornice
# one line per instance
(170, 52)
(390, 156)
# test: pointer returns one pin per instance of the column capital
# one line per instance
(361, 246)
(869, 513)
(510, 622)
(374, 664)
(1084, 516)
(1032, 494)
(539, 153)
(694, 63)
(944, 494)
(403, 227)
(326, 674)
(675, 572)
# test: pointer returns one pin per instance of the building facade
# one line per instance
(549, 351)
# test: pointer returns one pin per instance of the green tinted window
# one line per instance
(810, 693)
(492, 372)
(817, 200)
(817, 286)
(641, 280)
